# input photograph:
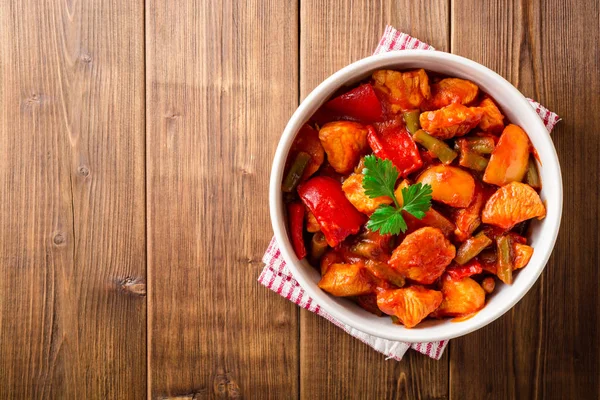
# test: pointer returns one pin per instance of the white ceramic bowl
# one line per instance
(542, 233)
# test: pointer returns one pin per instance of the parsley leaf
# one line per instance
(379, 179)
(417, 199)
(387, 219)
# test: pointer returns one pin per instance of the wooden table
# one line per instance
(136, 140)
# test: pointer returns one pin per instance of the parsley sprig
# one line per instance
(379, 179)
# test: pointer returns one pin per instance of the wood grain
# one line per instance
(546, 347)
(72, 249)
(332, 363)
(221, 84)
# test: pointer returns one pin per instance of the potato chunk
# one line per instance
(461, 297)
(509, 159)
(511, 204)
(492, 119)
(354, 191)
(402, 90)
(449, 185)
(423, 255)
(344, 280)
(450, 121)
(449, 91)
(411, 305)
(344, 142)
(522, 254)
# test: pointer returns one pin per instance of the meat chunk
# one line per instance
(344, 280)
(449, 91)
(461, 297)
(492, 119)
(511, 204)
(344, 142)
(402, 90)
(522, 254)
(411, 305)
(450, 121)
(468, 219)
(354, 191)
(423, 255)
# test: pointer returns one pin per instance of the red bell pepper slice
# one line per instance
(296, 217)
(394, 143)
(472, 267)
(338, 218)
(361, 103)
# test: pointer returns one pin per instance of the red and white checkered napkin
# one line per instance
(277, 277)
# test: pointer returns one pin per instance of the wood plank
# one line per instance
(72, 243)
(221, 84)
(546, 346)
(332, 363)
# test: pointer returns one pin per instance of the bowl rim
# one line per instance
(314, 100)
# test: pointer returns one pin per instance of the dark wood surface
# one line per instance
(136, 143)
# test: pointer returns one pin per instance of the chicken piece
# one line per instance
(423, 255)
(449, 91)
(511, 204)
(492, 119)
(450, 121)
(312, 225)
(461, 297)
(449, 185)
(345, 280)
(402, 90)
(344, 142)
(468, 219)
(354, 191)
(522, 254)
(308, 142)
(411, 305)
(510, 158)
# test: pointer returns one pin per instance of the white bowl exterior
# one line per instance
(542, 235)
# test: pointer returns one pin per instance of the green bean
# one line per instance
(504, 263)
(318, 245)
(411, 119)
(472, 160)
(295, 173)
(437, 147)
(395, 320)
(481, 145)
(533, 177)
(471, 248)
